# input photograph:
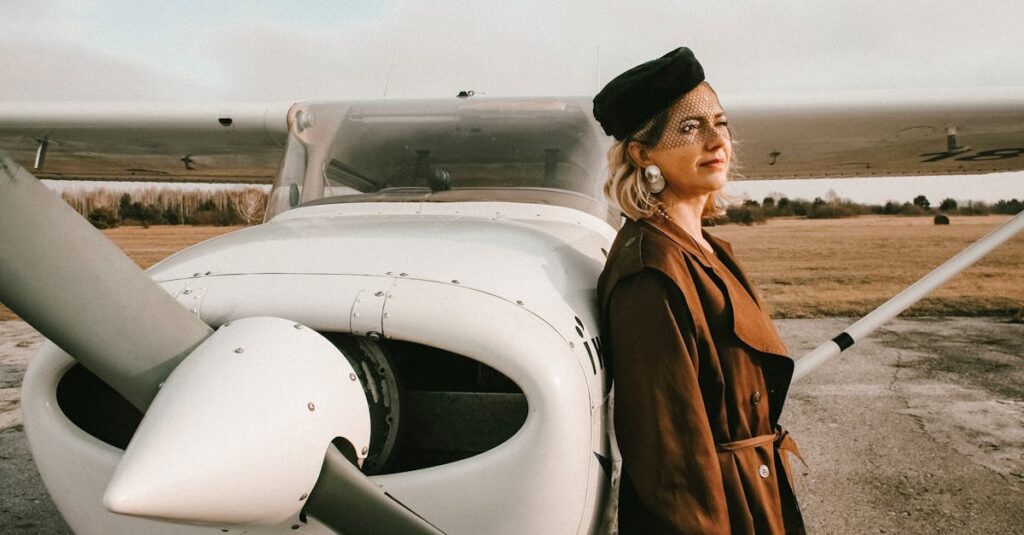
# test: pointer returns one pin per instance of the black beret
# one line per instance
(633, 97)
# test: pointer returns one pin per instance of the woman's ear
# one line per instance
(638, 152)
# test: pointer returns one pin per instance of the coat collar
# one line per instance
(750, 321)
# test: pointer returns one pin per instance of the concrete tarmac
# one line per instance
(919, 429)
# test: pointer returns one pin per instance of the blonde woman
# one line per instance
(700, 372)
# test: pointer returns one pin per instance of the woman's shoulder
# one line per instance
(638, 247)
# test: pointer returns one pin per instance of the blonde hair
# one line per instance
(625, 186)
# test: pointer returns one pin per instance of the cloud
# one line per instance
(63, 72)
(532, 47)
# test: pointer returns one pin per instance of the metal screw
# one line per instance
(379, 293)
(195, 311)
(389, 273)
(310, 406)
(228, 324)
(159, 386)
(352, 376)
(208, 273)
(455, 281)
(364, 451)
(195, 274)
(518, 302)
(304, 496)
(186, 292)
(572, 344)
(239, 350)
(402, 274)
(387, 315)
(355, 314)
(297, 326)
(374, 335)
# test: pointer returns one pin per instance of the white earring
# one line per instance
(655, 182)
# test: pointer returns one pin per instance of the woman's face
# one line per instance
(695, 148)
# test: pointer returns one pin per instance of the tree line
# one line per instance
(157, 206)
(749, 212)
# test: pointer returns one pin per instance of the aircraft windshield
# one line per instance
(546, 151)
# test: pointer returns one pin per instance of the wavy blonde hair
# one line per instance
(626, 186)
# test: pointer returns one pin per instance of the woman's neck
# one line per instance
(686, 213)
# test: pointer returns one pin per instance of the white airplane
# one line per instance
(409, 343)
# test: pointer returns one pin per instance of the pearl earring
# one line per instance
(655, 182)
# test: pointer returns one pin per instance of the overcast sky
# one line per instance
(255, 51)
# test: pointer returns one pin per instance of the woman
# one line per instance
(700, 371)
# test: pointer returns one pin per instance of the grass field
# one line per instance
(805, 268)
(846, 267)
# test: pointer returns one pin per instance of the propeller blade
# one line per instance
(349, 502)
(71, 283)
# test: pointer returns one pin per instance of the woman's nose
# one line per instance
(715, 138)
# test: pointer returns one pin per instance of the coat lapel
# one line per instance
(751, 323)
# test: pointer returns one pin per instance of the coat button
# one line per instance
(763, 471)
(755, 398)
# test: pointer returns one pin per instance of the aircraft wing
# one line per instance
(856, 135)
(844, 135)
(146, 141)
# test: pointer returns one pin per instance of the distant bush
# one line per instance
(1011, 207)
(973, 208)
(102, 218)
(745, 215)
(912, 209)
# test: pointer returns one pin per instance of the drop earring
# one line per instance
(655, 182)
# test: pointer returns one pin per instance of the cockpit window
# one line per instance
(418, 150)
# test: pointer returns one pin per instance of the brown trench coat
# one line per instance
(700, 379)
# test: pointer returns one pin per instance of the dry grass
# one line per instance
(846, 267)
(147, 246)
(804, 268)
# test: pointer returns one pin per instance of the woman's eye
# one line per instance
(689, 128)
(722, 123)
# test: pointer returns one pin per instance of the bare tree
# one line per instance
(250, 205)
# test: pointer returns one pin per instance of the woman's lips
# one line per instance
(717, 162)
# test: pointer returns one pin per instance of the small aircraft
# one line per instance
(409, 343)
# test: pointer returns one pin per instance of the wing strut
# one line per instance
(912, 294)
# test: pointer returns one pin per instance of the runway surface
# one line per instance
(919, 429)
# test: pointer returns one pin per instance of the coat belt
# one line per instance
(782, 441)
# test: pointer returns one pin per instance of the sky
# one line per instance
(191, 51)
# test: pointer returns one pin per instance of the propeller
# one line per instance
(238, 423)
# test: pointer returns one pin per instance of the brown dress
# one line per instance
(700, 379)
